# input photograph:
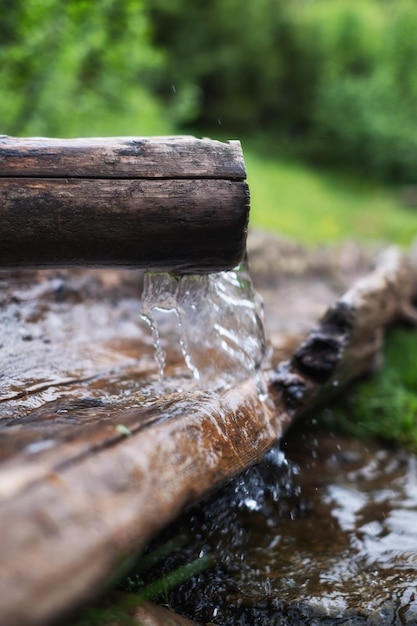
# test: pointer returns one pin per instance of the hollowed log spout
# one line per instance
(176, 204)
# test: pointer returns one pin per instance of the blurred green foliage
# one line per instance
(330, 81)
(76, 67)
(366, 97)
(318, 206)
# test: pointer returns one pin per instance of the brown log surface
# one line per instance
(121, 157)
(76, 494)
(177, 204)
(184, 226)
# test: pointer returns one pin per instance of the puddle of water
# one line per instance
(326, 534)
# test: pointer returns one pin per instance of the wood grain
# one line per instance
(182, 226)
(121, 157)
(177, 204)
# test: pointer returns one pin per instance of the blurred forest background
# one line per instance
(307, 85)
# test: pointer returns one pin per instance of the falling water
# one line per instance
(219, 318)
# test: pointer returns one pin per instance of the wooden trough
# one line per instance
(91, 466)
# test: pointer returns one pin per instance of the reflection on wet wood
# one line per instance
(95, 460)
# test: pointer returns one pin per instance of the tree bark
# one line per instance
(167, 204)
(79, 493)
(121, 157)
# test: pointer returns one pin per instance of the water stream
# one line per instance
(219, 323)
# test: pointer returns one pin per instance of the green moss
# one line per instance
(384, 405)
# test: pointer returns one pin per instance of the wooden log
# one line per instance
(164, 204)
(122, 157)
(348, 341)
(167, 225)
(73, 508)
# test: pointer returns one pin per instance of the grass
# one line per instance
(383, 406)
(320, 207)
(134, 590)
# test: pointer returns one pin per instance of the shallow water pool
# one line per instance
(324, 531)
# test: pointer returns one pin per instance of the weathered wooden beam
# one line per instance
(169, 204)
(349, 338)
(70, 514)
(71, 510)
(121, 157)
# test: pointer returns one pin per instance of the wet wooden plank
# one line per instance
(87, 492)
(91, 502)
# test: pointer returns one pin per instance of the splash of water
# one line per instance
(220, 320)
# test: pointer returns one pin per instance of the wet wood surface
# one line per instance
(95, 460)
(177, 204)
(121, 157)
